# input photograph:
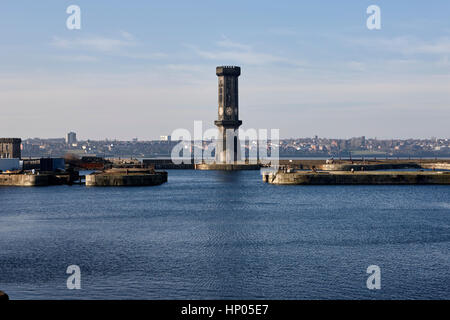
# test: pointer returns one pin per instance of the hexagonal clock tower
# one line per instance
(227, 147)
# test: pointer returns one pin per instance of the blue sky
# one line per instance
(144, 68)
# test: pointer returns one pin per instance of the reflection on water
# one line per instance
(227, 176)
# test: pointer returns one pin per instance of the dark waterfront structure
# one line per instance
(10, 148)
(228, 148)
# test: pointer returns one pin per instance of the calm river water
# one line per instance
(219, 235)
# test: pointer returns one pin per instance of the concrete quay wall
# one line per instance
(436, 166)
(24, 180)
(361, 178)
(360, 165)
(368, 167)
(105, 180)
(168, 164)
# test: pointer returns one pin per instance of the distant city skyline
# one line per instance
(308, 68)
(309, 147)
(169, 138)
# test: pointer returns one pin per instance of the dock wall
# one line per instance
(104, 180)
(436, 166)
(368, 167)
(24, 180)
(389, 178)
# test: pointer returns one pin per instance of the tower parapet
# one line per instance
(228, 71)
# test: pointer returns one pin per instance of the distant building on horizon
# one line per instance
(71, 138)
(165, 138)
(10, 148)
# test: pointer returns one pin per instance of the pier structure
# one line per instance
(293, 177)
(126, 177)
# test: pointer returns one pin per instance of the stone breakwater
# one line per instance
(346, 178)
(24, 180)
(36, 180)
(436, 166)
(112, 177)
(366, 165)
(126, 178)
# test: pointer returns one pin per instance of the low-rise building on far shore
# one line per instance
(10, 148)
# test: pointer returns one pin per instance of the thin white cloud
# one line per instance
(120, 46)
(283, 31)
(95, 43)
(127, 35)
(357, 66)
(280, 100)
(244, 57)
(144, 56)
(406, 45)
(234, 52)
(77, 58)
(440, 46)
(227, 43)
(444, 62)
(188, 67)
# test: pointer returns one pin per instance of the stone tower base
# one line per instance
(226, 166)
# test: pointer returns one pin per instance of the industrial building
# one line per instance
(10, 148)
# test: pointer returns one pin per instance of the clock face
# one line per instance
(229, 111)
